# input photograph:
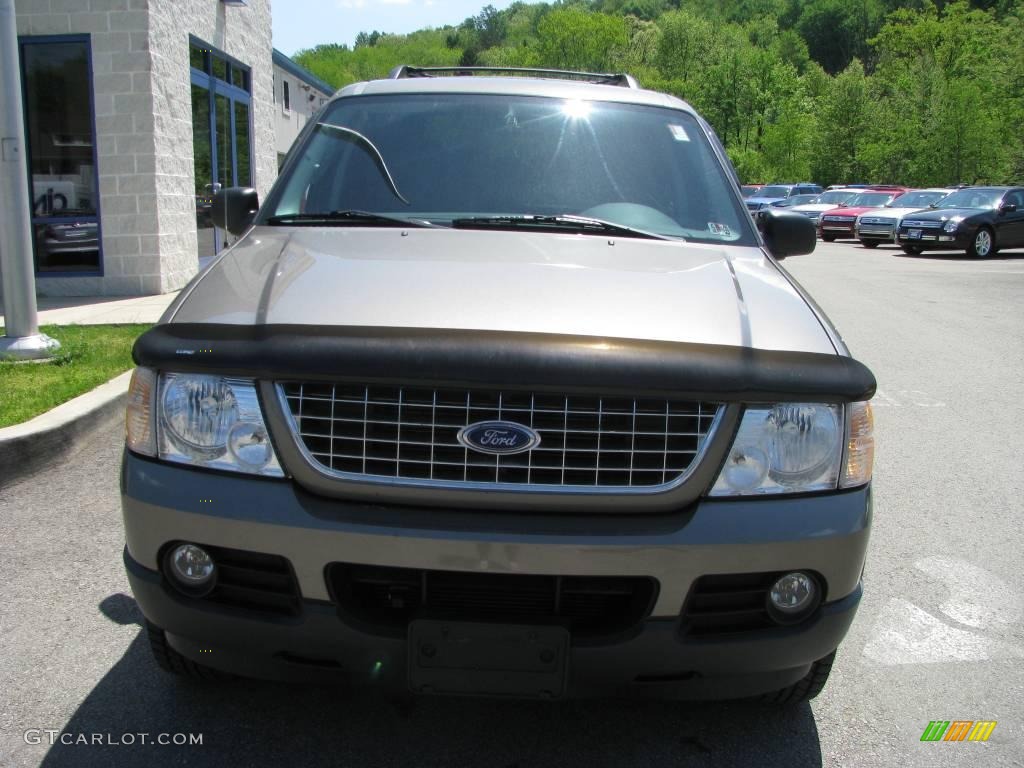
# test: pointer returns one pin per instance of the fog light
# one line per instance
(792, 597)
(192, 568)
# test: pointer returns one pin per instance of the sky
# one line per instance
(302, 24)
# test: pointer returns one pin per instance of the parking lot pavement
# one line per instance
(101, 310)
(940, 634)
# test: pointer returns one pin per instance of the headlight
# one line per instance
(951, 225)
(784, 448)
(196, 413)
(202, 420)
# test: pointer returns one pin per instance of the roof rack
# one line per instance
(603, 78)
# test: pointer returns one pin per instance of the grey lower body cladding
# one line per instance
(344, 566)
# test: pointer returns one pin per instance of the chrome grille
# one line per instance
(383, 433)
(922, 224)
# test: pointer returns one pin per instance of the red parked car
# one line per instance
(838, 223)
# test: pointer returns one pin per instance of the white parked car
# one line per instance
(882, 225)
(826, 201)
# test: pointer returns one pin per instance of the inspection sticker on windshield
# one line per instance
(678, 132)
(719, 229)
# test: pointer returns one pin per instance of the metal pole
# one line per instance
(22, 339)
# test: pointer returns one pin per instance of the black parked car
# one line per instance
(978, 220)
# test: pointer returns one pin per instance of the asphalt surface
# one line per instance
(939, 636)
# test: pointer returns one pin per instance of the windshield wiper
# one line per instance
(359, 217)
(563, 222)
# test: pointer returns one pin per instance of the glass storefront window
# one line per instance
(221, 136)
(242, 150)
(60, 136)
(225, 171)
(197, 57)
(220, 68)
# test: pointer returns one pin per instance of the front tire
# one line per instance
(912, 250)
(869, 243)
(169, 660)
(828, 238)
(983, 244)
(804, 689)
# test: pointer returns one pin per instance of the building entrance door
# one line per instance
(221, 137)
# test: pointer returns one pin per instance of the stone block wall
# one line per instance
(244, 33)
(142, 97)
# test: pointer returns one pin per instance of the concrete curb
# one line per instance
(28, 447)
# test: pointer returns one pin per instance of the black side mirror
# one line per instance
(786, 233)
(1007, 207)
(234, 208)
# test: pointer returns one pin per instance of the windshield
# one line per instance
(972, 198)
(835, 197)
(801, 199)
(773, 192)
(445, 157)
(748, 191)
(870, 199)
(920, 199)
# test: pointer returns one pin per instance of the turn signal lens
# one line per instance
(860, 445)
(139, 434)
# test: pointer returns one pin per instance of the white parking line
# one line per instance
(900, 397)
(904, 633)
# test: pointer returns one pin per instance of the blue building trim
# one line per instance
(304, 75)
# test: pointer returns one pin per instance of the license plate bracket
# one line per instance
(477, 659)
(913, 234)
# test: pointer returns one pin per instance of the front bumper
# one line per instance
(936, 239)
(827, 534)
(878, 232)
(837, 229)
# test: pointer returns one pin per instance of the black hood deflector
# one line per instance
(433, 357)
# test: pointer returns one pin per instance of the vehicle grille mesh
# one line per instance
(377, 432)
(723, 604)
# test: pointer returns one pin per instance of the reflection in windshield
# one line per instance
(866, 200)
(460, 156)
(835, 197)
(973, 198)
(916, 199)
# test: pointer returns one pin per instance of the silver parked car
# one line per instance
(502, 391)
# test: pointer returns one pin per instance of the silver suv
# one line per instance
(501, 391)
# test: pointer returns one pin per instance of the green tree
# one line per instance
(576, 39)
(845, 119)
(837, 31)
(940, 76)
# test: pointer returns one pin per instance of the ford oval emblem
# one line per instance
(499, 437)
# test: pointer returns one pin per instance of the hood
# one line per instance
(504, 281)
(943, 214)
(890, 213)
(854, 212)
(764, 200)
(814, 207)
